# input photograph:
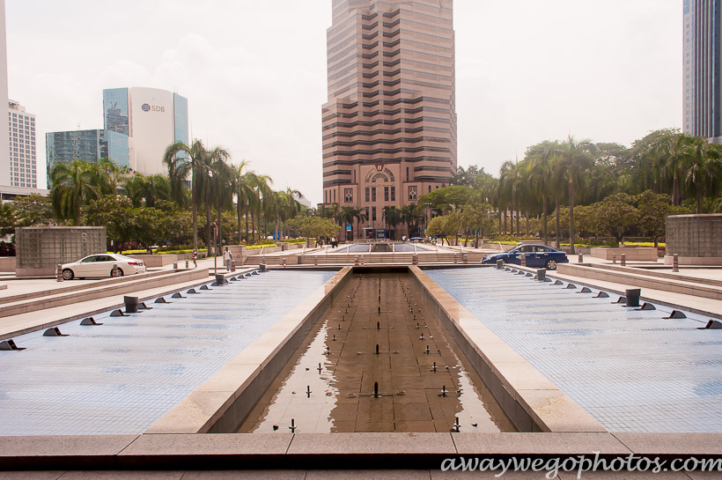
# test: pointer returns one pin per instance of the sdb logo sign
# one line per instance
(152, 108)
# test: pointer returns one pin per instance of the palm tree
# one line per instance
(140, 188)
(575, 157)
(242, 182)
(674, 148)
(702, 169)
(213, 175)
(222, 186)
(74, 184)
(179, 168)
(541, 178)
(392, 217)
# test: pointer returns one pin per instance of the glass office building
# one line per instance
(115, 110)
(86, 145)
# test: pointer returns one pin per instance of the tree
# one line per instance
(313, 227)
(702, 169)
(616, 213)
(391, 216)
(575, 157)
(653, 211)
(146, 190)
(183, 161)
(33, 210)
(74, 185)
(444, 226)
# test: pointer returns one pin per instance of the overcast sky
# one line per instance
(254, 72)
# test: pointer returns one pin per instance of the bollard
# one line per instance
(614, 258)
(454, 258)
(541, 274)
(131, 304)
(175, 265)
(624, 261)
(233, 265)
(59, 273)
(362, 260)
(220, 280)
(675, 263)
(114, 271)
(499, 264)
(355, 260)
(523, 260)
(414, 259)
(315, 260)
(581, 258)
(284, 264)
(633, 297)
(263, 268)
(464, 258)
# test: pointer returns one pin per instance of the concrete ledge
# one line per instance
(530, 400)
(333, 450)
(639, 279)
(81, 295)
(87, 451)
(69, 287)
(223, 401)
(630, 253)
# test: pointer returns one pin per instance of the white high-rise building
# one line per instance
(152, 119)
(4, 138)
(21, 149)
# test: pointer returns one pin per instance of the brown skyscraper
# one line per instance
(389, 126)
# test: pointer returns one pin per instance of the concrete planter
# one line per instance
(7, 264)
(638, 254)
(696, 239)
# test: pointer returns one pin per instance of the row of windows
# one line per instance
(386, 151)
(387, 141)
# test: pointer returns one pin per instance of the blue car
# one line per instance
(537, 256)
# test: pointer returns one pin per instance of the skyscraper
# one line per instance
(703, 69)
(389, 125)
(4, 138)
(151, 119)
(21, 148)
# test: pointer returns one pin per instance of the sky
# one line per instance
(254, 72)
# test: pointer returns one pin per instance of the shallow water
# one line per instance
(339, 366)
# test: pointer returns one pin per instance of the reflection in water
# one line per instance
(423, 385)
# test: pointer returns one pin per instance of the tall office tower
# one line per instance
(151, 119)
(703, 69)
(389, 125)
(4, 138)
(21, 149)
(85, 145)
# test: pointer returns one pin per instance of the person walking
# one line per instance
(194, 256)
(227, 258)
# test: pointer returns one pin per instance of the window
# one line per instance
(367, 213)
(386, 194)
(429, 188)
(407, 174)
(334, 197)
(367, 194)
(373, 197)
(412, 193)
(348, 195)
(373, 214)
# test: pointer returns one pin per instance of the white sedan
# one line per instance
(101, 265)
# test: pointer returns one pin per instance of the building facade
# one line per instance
(86, 145)
(703, 69)
(21, 148)
(5, 165)
(389, 125)
(151, 119)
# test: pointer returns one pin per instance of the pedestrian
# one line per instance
(194, 256)
(227, 258)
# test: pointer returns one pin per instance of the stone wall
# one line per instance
(696, 239)
(40, 249)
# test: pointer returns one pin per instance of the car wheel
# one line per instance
(120, 271)
(68, 274)
(551, 264)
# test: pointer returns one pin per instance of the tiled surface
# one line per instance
(631, 370)
(119, 378)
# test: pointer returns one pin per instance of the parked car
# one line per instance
(537, 256)
(101, 265)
